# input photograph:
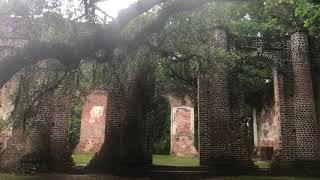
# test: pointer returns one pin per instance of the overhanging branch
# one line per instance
(106, 38)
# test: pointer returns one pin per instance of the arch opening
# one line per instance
(260, 84)
(88, 117)
(175, 126)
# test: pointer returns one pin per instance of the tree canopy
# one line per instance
(56, 34)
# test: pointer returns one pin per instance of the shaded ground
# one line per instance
(167, 160)
(161, 160)
(106, 177)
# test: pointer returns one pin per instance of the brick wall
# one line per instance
(220, 111)
(268, 121)
(182, 126)
(7, 101)
(40, 134)
(93, 121)
(182, 131)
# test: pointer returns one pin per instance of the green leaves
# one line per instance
(310, 13)
(75, 123)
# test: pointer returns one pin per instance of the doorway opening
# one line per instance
(87, 126)
(175, 126)
(260, 83)
(88, 114)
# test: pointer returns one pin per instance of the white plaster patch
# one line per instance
(96, 113)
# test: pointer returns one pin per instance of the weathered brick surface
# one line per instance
(268, 121)
(268, 127)
(42, 134)
(182, 131)
(93, 121)
(182, 126)
(239, 150)
(221, 139)
(130, 109)
(7, 101)
(108, 159)
(307, 128)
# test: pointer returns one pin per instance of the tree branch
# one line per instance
(106, 38)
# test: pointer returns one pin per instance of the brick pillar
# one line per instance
(220, 117)
(284, 87)
(136, 127)
(149, 88)
(316, 80)
(237, 104)
(130, 124)
(108, 159)
(60, 155)
(214, 111)
(204, 119)
(307, 129)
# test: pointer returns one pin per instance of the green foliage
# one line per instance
(258, 84)
(5, 125)
(161, 126)
(92, 75)
(309, 12)
(75, 123)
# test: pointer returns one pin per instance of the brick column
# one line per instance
(108, 159)
(203, 115)
(214, 111)
(136, 127)
(220, 136)
(60, 155)
(307, 129)
(284, 89)
(149, 88)
(237, 104)
(130, 124)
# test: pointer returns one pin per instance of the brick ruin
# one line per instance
(267, 132)
(222, 142)
(93, 121)
(182, 127)
(266, 124)
(7, 98)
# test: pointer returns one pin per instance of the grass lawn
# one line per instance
(82, 159)
(262, 163)
(167, 160)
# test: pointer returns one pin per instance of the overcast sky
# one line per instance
(112, 7)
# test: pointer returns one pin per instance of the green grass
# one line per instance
(82, 159)
(262, 163)
(167, 160)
